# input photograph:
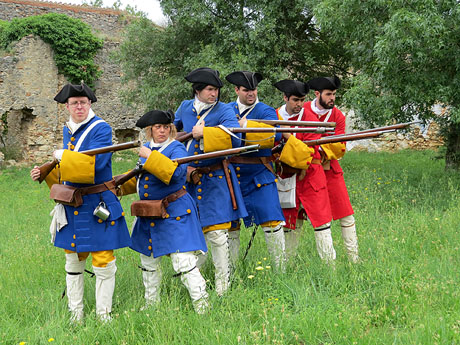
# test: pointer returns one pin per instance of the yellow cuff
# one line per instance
(129, 187)
(77, 167)
(215, 139)
(53, 177)
(334, 150)
(297, 154)
(160, 166)
(265, 140)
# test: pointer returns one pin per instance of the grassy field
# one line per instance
(405, 291)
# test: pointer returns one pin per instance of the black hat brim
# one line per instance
(71, 90)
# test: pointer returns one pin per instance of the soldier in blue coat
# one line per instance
(76, 229)
(177, 232)
(213, 183)
(254, 170)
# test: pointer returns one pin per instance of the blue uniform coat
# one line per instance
(84, 231)
(212, 194)
(257, 183)
(181, 231)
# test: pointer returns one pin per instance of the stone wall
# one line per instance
(29, 80)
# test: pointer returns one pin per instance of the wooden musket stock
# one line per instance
(46, 168)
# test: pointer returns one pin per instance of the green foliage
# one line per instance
(73, 43)
(406, 53)
(276, 38)
(405, 291)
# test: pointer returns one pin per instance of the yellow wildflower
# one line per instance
(250, 276)
(259, 268)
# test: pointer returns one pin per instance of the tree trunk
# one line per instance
(453, 147)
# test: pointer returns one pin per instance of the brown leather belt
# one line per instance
(253, 160)
(173, 197)
(99, 188)
(155, 208)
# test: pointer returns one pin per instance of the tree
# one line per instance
(276, 38)
(405, 58)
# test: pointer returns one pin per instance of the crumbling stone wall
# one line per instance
(29, 80)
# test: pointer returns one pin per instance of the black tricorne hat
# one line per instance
(75, 90)
(247, 79)
(292, 87)
(324, 83)
(205, 75)
(154, 117)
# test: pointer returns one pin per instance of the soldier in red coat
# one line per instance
(311, 195)
(323, 107)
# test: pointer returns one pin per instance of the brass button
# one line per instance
(167, 215)
(198, 117)
(276, 180)
(237, 168)
(177, 218)
(195, 153)
(199, 183)
(72, 147)
(146, 178)
(74, 236)
(150, 247)
(189, 211)
(259, 185)
(200, 175)
(112, 222)
(99, 220)
(210, 175)
(72, 245)
(72, 139)
(146, 194)
(183, 187)
(196, 146)
(199, 190)
(75, 213)
(146, 186)
(196, 162)
(199, 197)
(152, 224)
(238, 175)
(150, 240)
(123, 213)
(220, 176)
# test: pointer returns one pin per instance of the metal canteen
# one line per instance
(101, 211)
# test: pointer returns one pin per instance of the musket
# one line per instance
(346, 137)
(295, 123)
(384, 128)
(120, 179)
(335, 139)
(188, 135)
(46, 168)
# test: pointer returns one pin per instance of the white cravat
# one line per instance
(243, 107)
(159, 145)
(286, 116)
(318, 111)
(200, 106)
(73, 126)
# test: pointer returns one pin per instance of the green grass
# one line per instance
(405, 291)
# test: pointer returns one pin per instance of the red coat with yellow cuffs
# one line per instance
(338, 194)
(311, 189)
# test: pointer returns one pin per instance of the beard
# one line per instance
(324, 104)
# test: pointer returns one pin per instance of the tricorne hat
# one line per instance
(204, 75)
(247, 79)
(154, 117)
(292, 87)
(75, 90)
(324, 83)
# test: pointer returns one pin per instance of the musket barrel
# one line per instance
(296, 123)
(46, 168)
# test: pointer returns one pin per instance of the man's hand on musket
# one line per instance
(190, 172)
(286, 135)
(144, 152)
(35, 173)
(197, 131)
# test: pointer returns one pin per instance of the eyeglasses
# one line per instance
(76, 104)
